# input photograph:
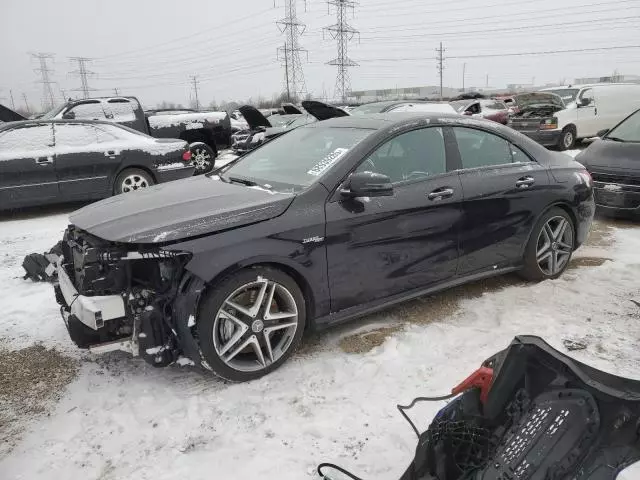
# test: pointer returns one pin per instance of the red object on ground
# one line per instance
(186, 156)
(481, 379)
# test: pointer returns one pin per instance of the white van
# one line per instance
(582, 113)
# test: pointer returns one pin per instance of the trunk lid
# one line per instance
(253, 117)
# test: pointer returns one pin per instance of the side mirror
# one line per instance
(69, 115)
(602, 133)
(368, 184)
(585, 102)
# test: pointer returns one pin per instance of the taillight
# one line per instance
(186, 156)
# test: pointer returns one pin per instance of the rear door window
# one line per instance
(75, 135)
(482, 149)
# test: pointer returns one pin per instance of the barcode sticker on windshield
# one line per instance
(324, 164)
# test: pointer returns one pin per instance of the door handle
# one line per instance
(44, 161)
(440, 193)
(525, 182)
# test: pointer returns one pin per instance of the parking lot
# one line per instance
(72, 415)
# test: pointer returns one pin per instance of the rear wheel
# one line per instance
(567, 139)
(250, 323)
(203, 157)
(550, 246)
(132, 179)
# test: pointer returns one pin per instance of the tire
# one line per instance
(221, 338)
(545, 247)
(568, 138)
(132, 179)
(203, 157)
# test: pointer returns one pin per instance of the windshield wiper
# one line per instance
(615, 139)
(243, 181)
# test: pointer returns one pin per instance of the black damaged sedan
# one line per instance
(333, 220)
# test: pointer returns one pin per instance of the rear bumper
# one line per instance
(174, 171)
(548, 138)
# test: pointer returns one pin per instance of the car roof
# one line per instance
(376, 121)
(24, 123)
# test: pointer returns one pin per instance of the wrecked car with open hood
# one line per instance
(262, 129)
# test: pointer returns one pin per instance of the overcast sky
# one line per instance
(149, 48)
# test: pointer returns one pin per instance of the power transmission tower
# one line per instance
(464, 71)
(115, 92)
(194, 81)
(26, 103)
(83, 73)
(293, 29)
(343, 33)
(45, 79)
(440, 66)
(13, 105)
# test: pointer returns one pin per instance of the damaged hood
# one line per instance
(538, 99)
(254, 117)
(178, 210)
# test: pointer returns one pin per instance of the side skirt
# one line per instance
(377, 305)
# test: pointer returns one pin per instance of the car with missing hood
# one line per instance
(491, 109)
(47, 161)
(614, 163)
(333, 220)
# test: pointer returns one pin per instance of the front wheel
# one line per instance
(550, 246)
(250, 323)
(132, 179)
(203, 157)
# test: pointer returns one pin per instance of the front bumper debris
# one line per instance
(91, 311)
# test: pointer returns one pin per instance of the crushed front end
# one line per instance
(132, 297)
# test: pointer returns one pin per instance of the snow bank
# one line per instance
(125, 419)
(163, 121)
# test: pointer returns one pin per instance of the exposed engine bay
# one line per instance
(529, 413)
(116, 298)
(537, 111)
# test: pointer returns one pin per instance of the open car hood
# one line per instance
(253, 117)
(530, 413)
(291, 109)
(323, 111)
(8, 115)
(538, 98)
(179, 210)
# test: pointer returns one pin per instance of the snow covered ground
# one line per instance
(121, 418)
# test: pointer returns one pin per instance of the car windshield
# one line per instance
(628, 130)
(52, 113)
(567, 95)
(295, 160)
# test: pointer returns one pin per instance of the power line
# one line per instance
(44, 71)
(505, 54)
(293, 29)
(343, 33)
(83, 73)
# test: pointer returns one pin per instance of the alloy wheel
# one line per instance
(255, 326)
(201, 160)
(554, 246)
(133, 182)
